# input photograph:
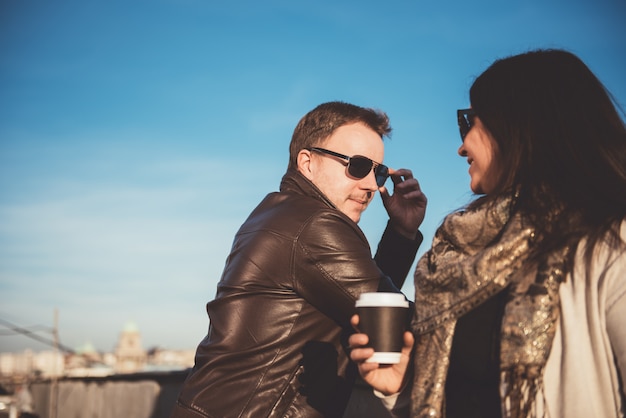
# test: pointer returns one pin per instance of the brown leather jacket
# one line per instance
(280, 319)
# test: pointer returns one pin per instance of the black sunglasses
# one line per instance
(359, 166)
(465, 118)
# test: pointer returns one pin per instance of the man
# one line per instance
(276, 345)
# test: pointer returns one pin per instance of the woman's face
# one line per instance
(481, 151)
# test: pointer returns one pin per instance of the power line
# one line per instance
(34, 328)
(23, 331)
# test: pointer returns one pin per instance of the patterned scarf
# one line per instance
(474, 255)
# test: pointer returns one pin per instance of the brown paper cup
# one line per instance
(383, 317)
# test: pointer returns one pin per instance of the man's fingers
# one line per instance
(359, 355)
(358, 340)
(400, 175)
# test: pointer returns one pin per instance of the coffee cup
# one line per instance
(383, 317)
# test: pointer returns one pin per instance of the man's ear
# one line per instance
(305, 163)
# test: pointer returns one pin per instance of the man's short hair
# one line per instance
(321, 122)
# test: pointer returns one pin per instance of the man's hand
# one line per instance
(387, 379)
(407, 206)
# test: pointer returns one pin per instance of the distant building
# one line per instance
(85, 361)
(130, 355)
(163, 360)
(44, 364)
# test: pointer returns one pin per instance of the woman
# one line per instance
(520, 302)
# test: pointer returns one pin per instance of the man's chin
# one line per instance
(355, 216)
(355, 211)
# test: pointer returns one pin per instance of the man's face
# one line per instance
(330, 174)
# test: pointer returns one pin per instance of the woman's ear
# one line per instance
(305, 163)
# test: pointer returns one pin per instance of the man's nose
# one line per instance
(370, 181)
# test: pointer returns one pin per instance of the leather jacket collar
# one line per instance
(294, 182)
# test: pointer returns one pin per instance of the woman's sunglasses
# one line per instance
(465, 118)
(359, 166)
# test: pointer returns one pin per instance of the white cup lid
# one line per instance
(382, 299)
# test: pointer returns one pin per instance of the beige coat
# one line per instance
(588, 354)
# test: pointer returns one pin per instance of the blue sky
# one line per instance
(136, 136)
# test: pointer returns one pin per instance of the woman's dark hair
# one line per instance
(321, 122)
(562, 145)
